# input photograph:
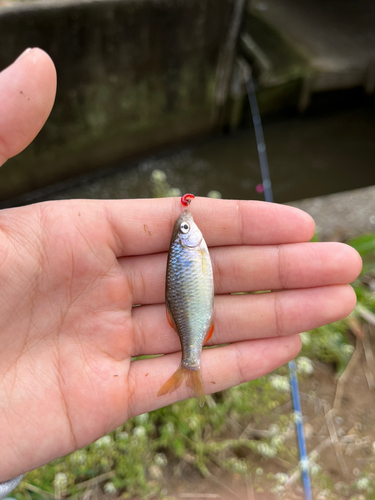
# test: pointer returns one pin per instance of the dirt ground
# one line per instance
(339, 422)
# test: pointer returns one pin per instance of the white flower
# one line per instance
(277, 441)
(239, 466)
(78, 457)
(141, 419)
(297, 417)
(362, 483)
(103, 441)
(139, 431)
(266, 450)
(314, 469)
(170, 428)
(324, 494)
(158, 176)
(273, 430)
(347, 349)
(214, 194)
(109, 487)
(281, 477)
(280, 383)
(174, 192)
(259, 471)
(122, 435)
(304, 365)
(61, 481)
(305, 337)
(160, 459)
(193, 422)
(278, 490)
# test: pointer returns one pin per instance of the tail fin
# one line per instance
(193, 380)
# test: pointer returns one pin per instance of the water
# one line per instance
(316, 154)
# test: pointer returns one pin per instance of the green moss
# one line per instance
(278, 97)
(105, 133)
(283, 55)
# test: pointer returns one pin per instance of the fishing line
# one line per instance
(261, 145)
(268, 195)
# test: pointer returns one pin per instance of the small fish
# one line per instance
(189, 298)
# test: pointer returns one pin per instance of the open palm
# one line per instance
(72, 272)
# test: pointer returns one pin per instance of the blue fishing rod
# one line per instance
(267, 186)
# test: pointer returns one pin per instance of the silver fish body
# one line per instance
(189, 298)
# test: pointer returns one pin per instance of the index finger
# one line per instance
(145, 226)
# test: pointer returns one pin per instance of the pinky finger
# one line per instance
(222, 367)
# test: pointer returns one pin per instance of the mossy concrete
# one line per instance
(280, 68)
(133, 75)
(326, 45)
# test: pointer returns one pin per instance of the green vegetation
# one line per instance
(364, 285)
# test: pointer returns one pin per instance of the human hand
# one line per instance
(71, 272)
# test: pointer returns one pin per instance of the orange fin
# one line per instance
(193, 380)
(169, 317)
(209, 334)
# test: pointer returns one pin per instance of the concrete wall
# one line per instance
(132, 75)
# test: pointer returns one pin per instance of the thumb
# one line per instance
(27, 94)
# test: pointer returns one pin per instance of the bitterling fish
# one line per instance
(189, 298)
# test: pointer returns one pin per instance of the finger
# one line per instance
(27, 94)
(145, 226)
(139, 227)
(222, 368)
(246, 269)
(244, 317)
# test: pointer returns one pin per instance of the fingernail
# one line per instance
(24, 53)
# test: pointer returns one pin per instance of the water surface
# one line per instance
(312, 155)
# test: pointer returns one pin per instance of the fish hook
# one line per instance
(186, 199)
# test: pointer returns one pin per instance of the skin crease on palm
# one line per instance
(71, 271)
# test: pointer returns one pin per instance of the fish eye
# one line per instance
(184, 227)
